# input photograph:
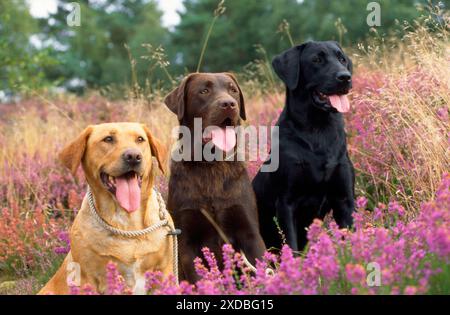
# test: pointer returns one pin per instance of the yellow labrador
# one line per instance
(117, 162)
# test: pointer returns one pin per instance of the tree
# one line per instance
(353, 15)
(243, 25)
(95, 51)
(249, 22)
(22, 65)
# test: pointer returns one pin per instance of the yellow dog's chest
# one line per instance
(133, 256)
(126, 250)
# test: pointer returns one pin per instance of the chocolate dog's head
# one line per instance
(321, 69)
(214, 97)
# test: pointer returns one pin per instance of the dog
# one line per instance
(213, 202)
(117, 163)
(315, 173)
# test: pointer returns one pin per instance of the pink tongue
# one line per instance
(128, 193)
(340, 102)
(224, 138)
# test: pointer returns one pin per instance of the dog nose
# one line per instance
(228, 104)
(344, 76)
(132, 157)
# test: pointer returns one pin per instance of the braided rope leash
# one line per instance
(163, 214)
(173, 232)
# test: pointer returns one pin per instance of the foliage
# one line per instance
(95, 51)
(231, 44)
(93, 55)
(245, 24)
(21, 63)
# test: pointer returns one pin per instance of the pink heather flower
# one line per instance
(229, 271)
(315, 229)
(395, 290)
(200, 269)
(361, 202)
(287, 280)
(63, 236)
(89, 290)
(359, 220)
(395, 208)
(74, 290)
(443, 113)
(378, 214)
(355, 273)
(153, 280)
(410, 290)
(211, 260)
(186, 288)
(115, 283)
(61, 250)
(330, 267)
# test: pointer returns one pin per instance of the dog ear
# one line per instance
(287, 66)
(241, 96)
(176, 99)
(158, 149)
(73, 153)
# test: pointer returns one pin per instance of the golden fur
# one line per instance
(92, 247)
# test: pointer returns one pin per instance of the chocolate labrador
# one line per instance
(212, 202)
(315, 173)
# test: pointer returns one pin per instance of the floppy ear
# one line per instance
(73, 153)
(287, 66)
(176, 99)
(241, 97)
(158, 149)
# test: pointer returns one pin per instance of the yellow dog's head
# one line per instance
(116, 159)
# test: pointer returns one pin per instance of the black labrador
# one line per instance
(315, 173)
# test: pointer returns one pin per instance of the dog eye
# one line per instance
(140, 139)
(233, 89)
(108, 139)
(317, 59)
(342, 59)
(204, 91)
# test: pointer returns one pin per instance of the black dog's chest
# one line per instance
(317, 160)
(319, 168)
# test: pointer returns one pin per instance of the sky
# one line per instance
(41, 8)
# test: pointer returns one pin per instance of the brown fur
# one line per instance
(222, 189)
(92, 247)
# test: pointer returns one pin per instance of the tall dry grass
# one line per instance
(400, 128)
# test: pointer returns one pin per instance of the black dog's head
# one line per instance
(320, 69)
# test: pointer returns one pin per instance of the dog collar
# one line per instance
(163, 214)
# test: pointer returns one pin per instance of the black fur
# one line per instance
(315, 173)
